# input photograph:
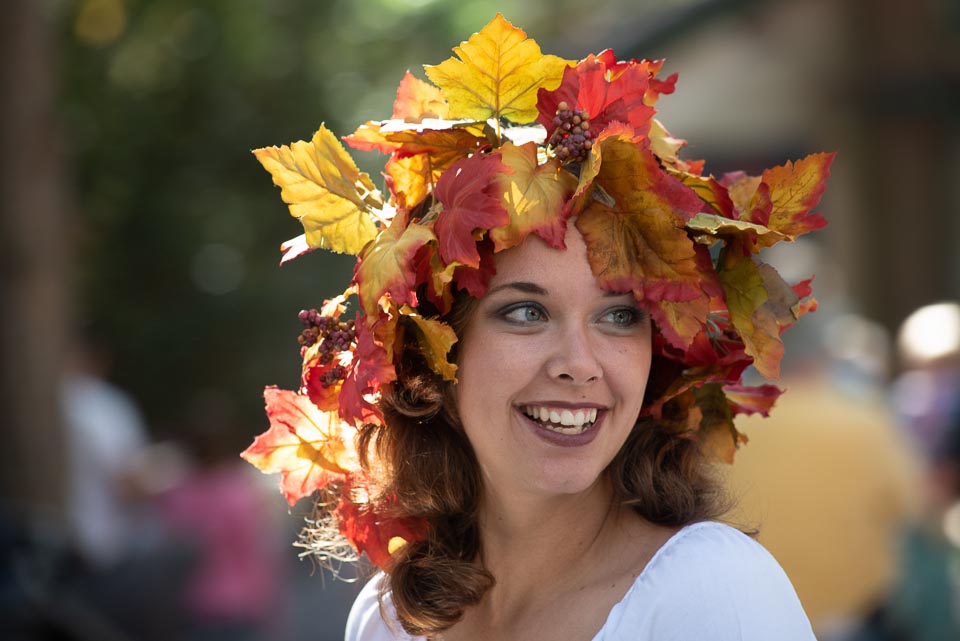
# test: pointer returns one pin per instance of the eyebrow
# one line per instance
(532, 288)
(520, 286)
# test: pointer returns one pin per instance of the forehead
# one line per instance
(536, 262)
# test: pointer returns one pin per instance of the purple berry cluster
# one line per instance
(333, 335)
(333, 376)
(572, 137)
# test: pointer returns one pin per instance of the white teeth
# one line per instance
(564, 421)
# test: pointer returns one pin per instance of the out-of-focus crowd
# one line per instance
(166, 541)
(853, 484)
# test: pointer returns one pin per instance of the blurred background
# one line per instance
(143, 308)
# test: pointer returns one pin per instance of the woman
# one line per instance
(547, 361)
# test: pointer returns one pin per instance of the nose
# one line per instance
(574, 359)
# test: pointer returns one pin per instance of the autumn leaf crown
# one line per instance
(508, 142)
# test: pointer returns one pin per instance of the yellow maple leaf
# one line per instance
(325, 191)
(534, 196)
(497, 75)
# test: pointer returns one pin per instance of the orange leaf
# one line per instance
(717, 434)
(325, 191)
(471, 201)
(497, 75)
(535, 197)
(388, 266)
(420, 159)
(795, 189)
(417, 100)
(411, 179)
(309, 448)
(369, 137)
(635, 237)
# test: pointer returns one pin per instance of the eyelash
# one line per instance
(635, 315)
(510, 310)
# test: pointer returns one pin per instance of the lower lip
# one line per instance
(563, 440)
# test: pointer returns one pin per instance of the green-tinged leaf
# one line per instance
(746, 293)
(711, 226)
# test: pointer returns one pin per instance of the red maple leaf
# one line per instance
(369, 529)
(471, 199)
(747, 399)
(621, 96)
(657, 86)
(476, 280)
(371, 368)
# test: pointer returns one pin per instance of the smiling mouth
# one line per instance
(562, 420)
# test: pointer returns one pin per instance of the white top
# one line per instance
(709, 581)
(105, 432)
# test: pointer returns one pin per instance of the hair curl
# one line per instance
(428, 469)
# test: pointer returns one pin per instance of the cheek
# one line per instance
(632, 373)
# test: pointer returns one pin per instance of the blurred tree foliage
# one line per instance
(179, 227)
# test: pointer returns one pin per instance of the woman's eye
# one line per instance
(525, 314)
(623, 317)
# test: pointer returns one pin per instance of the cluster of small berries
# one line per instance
(572, 137)
(333, 335)
(333, 376)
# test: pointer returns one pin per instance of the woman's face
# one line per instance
(552, 371)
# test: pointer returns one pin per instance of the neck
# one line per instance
(530, 540)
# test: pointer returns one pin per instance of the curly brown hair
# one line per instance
(423, 461)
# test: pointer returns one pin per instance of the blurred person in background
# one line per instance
(925, 604)
(127, 567)
(223, 511)
(829, 480)
(106, 436)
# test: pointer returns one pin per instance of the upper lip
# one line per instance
(563, 405)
